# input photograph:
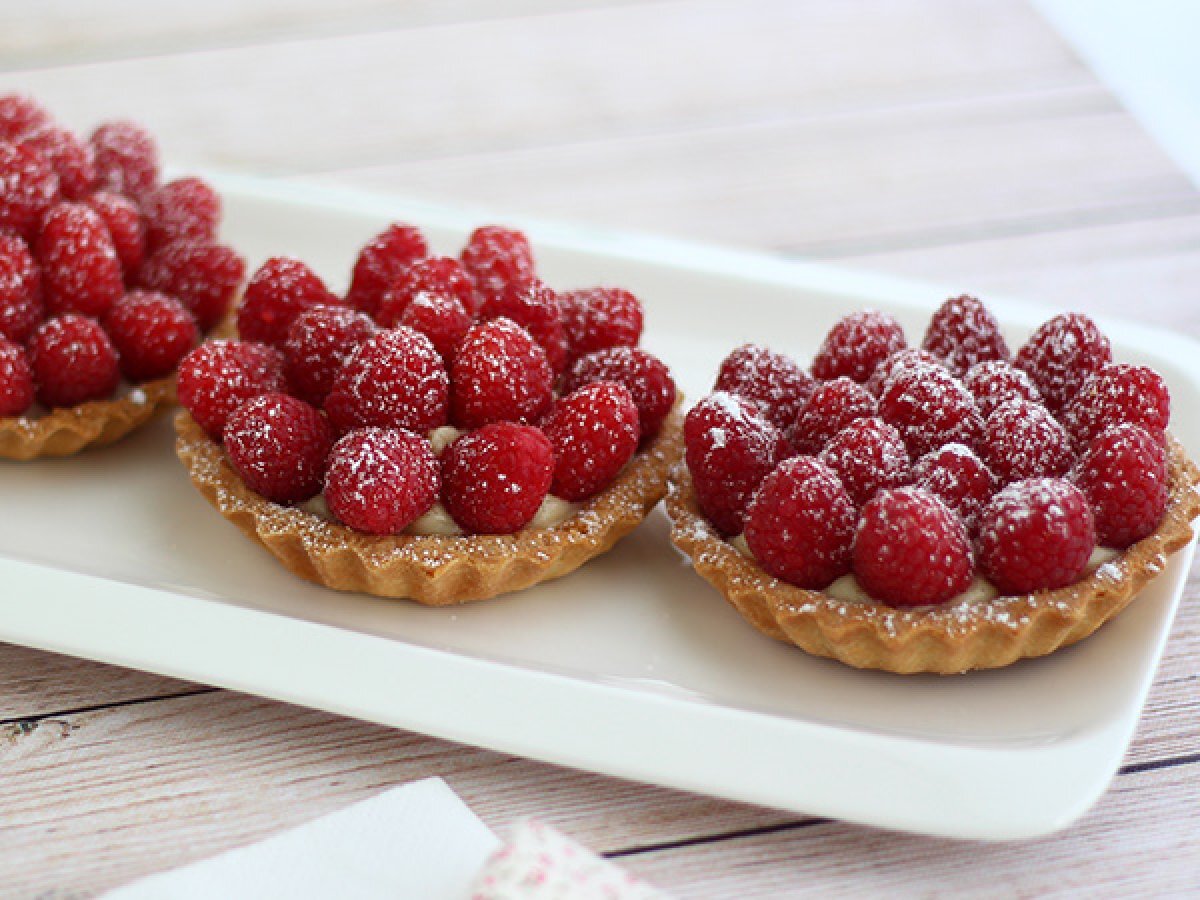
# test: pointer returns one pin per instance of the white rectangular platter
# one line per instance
(632, 666)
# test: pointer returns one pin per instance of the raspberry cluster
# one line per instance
(917, 469)
(104, 272)
(464, 380)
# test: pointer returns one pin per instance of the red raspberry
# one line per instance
(499, 373)
(281, 289)
(909, 357)
(535, 308)
(959, 478)
(1035, 535)
(318, 341)
(204, 277)
(601, 317)
(868, 455)
(1119, 393)
(70, 158)
(394, 379)
(126, 159)
(19, 115)
(831, 407)
(16, 379)
(494, 479)
(857, 344)
(73, 361)
(1060, 356)
(28, 187)
(1123, 473)
(124, 223)
(910, 549)
(219, 376)
(20, 289)
(930, 408)
(594, 432)
(80, 269)
(800, 524)
(995, 382)
(186, 209)
(381, 480)
(278, 445)
(1022, 440)
(381, 261)
(730, 449)
(648, 380)
(495, 256)
(152, 333)
(441, 318)
(963, 332)
(775, 381)
(434, 274)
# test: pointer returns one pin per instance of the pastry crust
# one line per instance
(431, 569)
(947, 639)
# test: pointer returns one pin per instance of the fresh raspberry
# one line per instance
(495, 256)
(435, 274)
(959, 478)
(776, 382)
(535, 308)
(441, 318)
(70, 158)
(73, 361)
(19, 115)
(494, 479)
(394, 379)
(28, 187)
(1060, 356)
(910, 549)
(1123, 473)
(318, 341)
(16, 379)
(281, 289)
(219, 376)
(1119, 393)
(868, 455)
(380, 262)
(800, 524)
(594, 432)
(186, 209)
(930, 408)
(909, 357)
(278, 445)
(730, 449)
(963, 332)
(1035, 535)
(1021, 440)
(648, 380)
(381, 480)
(20, 289)
(831, 407)
(857, 344)
(152, 333)
(80, 269)
(499, 373)
(126, 159)
(601, 317)
(124, 223)
(204, 277)
(994, 382)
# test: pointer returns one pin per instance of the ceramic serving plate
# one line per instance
(632, 666)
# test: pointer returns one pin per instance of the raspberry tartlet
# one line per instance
(934, 509)
(439, 433)
(107, 279)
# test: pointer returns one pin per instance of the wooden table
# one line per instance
(957, 141)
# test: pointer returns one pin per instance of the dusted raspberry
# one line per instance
(910, 549)
(831, 407)
(124, 223)
(281, 289)
(857, 344)
(499, 373)
(1021, 440)
(956, 475)
(963, 332)
(909, 357)
(868, 455)
(218, 376)
(1035, 535)
(186, 209)
(775, 381)
(16, 379)
(535, 308)
(495, 256)
(494, 479)
(434, 274)
(600, 317)
(394, 379)
(278, 445)
(440, 317)
(1060, 356)
(152, 333)
(1123, 473)
(126, 159)
(380, 262)
(28, 187)
(19, 115)
(930, 408)
(70, 158)
(648, 380)
(20, 289)
(80, 269)
(204, 277)
(1119, 393)
(995, 382)
(594, 432)
(318, 341)
(381, 480)
(730, 448)
(800, 524)
(73, 361)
